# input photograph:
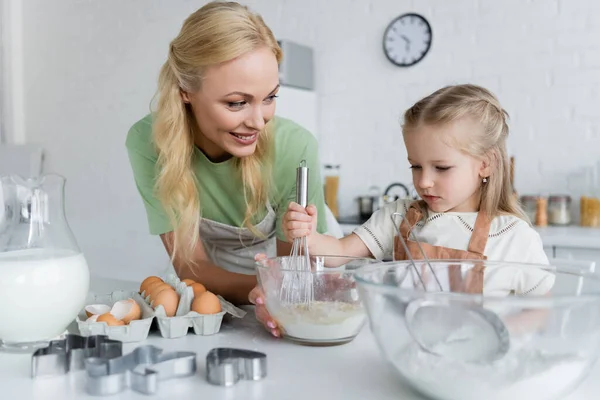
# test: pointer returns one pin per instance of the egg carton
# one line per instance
(135, 331)
(202, 324)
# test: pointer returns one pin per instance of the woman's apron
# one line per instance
(456, 278)
(233, 248)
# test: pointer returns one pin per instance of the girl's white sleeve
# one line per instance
(378, 232)
(525, 246)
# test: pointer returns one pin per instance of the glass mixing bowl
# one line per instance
(551, 333)
(320, 307)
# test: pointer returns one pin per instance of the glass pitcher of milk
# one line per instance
(44, 277)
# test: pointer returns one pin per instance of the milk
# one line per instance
(41, 292)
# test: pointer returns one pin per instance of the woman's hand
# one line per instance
(257, 298)
(299, 222)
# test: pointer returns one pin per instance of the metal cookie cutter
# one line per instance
(139, 370)
(226, 366)
(68, 354)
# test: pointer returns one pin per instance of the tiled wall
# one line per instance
(541, 58)
(90, 67)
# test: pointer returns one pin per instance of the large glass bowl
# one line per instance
(553, 331)
(318, 307)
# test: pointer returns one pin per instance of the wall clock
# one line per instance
(407, 39)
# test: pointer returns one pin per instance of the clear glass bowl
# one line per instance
(334, 315)
(554, 336)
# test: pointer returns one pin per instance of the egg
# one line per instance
(157, 289)
(198, 289)
(206, 303)
(149, 280)
(126, 310)
(188, 282)
(96, 309)
(151, 286)
(110, 320)
(169, 299)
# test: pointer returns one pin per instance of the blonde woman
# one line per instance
(214, 167)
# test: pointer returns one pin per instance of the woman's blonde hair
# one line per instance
(216, 33)
(477, 103)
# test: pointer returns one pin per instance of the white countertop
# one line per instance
(560, 236)
(352, 371)
(570, 236)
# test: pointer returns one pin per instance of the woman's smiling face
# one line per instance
(235, 102)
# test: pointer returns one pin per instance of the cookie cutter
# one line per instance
(227, 366)
(140, 370)
(65, 355)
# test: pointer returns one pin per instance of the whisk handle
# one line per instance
(302, 184)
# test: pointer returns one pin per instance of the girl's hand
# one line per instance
(299, 222)
(257, 298)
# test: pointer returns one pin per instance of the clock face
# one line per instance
(407, 40)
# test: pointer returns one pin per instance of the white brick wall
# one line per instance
(90, 68)
(541, 58)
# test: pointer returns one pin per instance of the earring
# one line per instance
(484, 180)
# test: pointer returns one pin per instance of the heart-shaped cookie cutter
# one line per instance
(226, 366)
(68, 354)
(140, 370)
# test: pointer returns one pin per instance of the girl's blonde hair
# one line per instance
(216, 33)
(470, 101)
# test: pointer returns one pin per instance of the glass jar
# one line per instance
(559, 210)
(529, 204)
(590, 211)
(331, 187)
(44, 277)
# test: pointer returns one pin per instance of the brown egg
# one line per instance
(206, 303)
(160, 289)
(146, 282)
(157, 289)
(151, 286)
(198, 289)
(109, 319)
(169, 299)
(188, 282)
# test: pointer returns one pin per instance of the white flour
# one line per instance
(524, 373)
(322, 321)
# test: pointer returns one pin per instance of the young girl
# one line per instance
(456, 144)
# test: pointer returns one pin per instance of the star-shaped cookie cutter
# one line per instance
(140, 370)
(226, 366)
(68, 354)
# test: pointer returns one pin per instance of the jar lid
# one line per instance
(560, 197)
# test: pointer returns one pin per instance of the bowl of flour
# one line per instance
(554, 333)
(317, 307)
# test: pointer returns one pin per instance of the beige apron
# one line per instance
(472, 281)
(233, 248)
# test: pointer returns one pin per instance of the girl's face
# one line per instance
(446, 178)
(235, 101)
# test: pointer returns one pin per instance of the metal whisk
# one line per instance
(408, 255)
(297, 284)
